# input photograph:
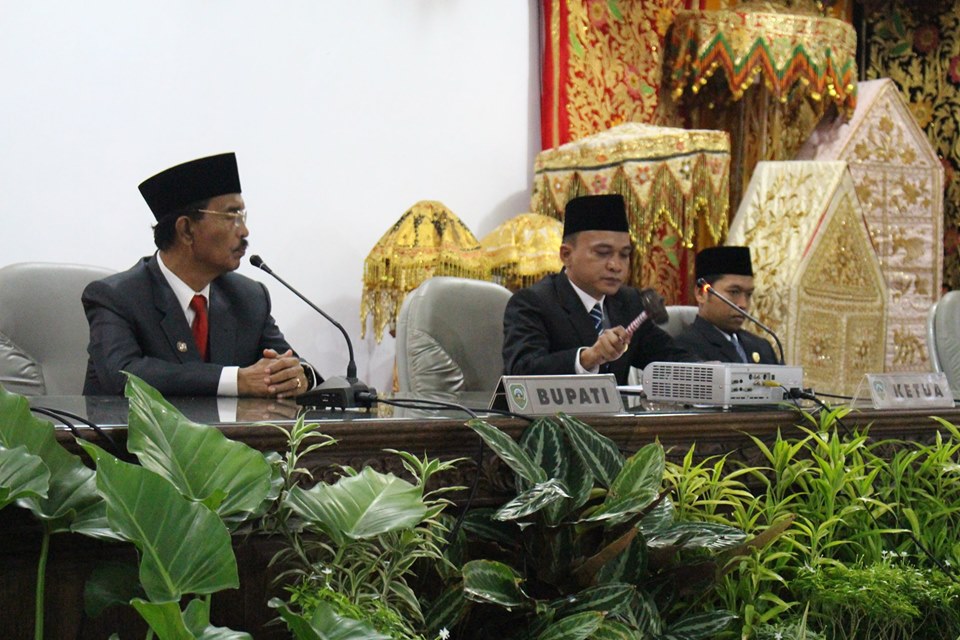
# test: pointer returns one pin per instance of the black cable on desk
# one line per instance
(65, 417)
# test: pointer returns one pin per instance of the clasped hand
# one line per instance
(277, 375)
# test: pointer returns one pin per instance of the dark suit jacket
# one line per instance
(544, 326)
(136, 325)
(706, 341)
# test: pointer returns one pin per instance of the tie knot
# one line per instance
(198, 303)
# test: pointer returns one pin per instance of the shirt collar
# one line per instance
(588, 300)
(181, 289)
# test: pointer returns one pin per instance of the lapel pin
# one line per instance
(182, 346)
(756, 357)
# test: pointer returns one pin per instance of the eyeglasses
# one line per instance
(238, 217)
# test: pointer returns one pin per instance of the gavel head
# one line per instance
(653, 305)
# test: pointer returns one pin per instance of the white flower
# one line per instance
(778, 635)
(444, 634)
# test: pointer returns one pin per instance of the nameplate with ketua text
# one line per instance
(548, 395)
(909, 390)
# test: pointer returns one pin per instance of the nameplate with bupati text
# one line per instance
(909, 390)
(547, 395)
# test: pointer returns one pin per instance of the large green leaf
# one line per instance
(576, 627)
(541, 441)
(326, 624)
(642, 472)
(491, 581)
(71, 503)
(446, 611)
(701, 625)
(614, 630)
(184, 547)
(204, 465)
(627, 566)
(532, 500)
(110, 584)
(22, 475)
(599, 453)
(169, 623)
(509, 451)
(481, 523)
(617, 511)
(546, 445)
(360, 506)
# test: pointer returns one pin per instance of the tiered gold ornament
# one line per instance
(675, 183)
(818, 280)
(428, 240)
(524, 249)
(766, 72)
(899, 181)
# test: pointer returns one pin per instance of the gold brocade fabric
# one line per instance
(428, 240)
(524, 249)
(675, 183)
(818, 281)
(766, 77)
(899, 182)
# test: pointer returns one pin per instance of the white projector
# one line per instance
(724, 384)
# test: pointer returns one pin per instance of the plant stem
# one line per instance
(41, 574)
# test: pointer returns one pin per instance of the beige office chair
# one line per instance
(450, 336)
(44, 330)
(943, 338)
(681, 317)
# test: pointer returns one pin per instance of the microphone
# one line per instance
(653, 308)
(333, 392)
(708, 288)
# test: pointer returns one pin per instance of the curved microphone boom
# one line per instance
(332, 392)
(708, 288)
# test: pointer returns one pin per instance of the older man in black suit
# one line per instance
(573, 321)
(180, 319)
(717, 334)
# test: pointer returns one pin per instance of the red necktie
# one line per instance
(200, 324)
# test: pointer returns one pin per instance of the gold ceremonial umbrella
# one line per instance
(524, 249)
(428, 240)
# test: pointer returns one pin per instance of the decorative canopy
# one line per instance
(524, 249)
(428, 240)
(787, 51)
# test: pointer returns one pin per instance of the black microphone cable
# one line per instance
(66, 417)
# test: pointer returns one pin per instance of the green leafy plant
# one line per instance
(589, 547)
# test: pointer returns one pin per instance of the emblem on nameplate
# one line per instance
(182, 346)
(519, 394)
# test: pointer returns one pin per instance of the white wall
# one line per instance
(343, 114)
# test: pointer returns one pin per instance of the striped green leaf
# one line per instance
(614, 630)
(576, 627)
(701, 625)
(618, 511)
(533, 500)
(626, 566)
(643, 471)
(446, 611)
(509, 451)
(696, 535)
(645, 615)
(481, 523)
(613, 598)
(494, 582)
(598, 453)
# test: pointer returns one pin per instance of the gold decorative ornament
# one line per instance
(182, 346)
(524, 249)
(428, 240)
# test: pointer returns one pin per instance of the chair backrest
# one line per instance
(943, 338)
(41, 313)
(681, 317)
(450, 336)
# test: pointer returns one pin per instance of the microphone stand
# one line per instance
(337, 392)
(706, 286)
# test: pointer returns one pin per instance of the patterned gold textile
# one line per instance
(763, 74)
(523, 249)
(675, 183)
(819, 283)
(899, 181)
(428, 240)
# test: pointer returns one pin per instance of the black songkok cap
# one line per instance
(720, 261)
(595, 213)
(200, 179)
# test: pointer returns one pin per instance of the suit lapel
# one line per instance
(714, 337)
(173, 323)
(223, 327)
(579, 318)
